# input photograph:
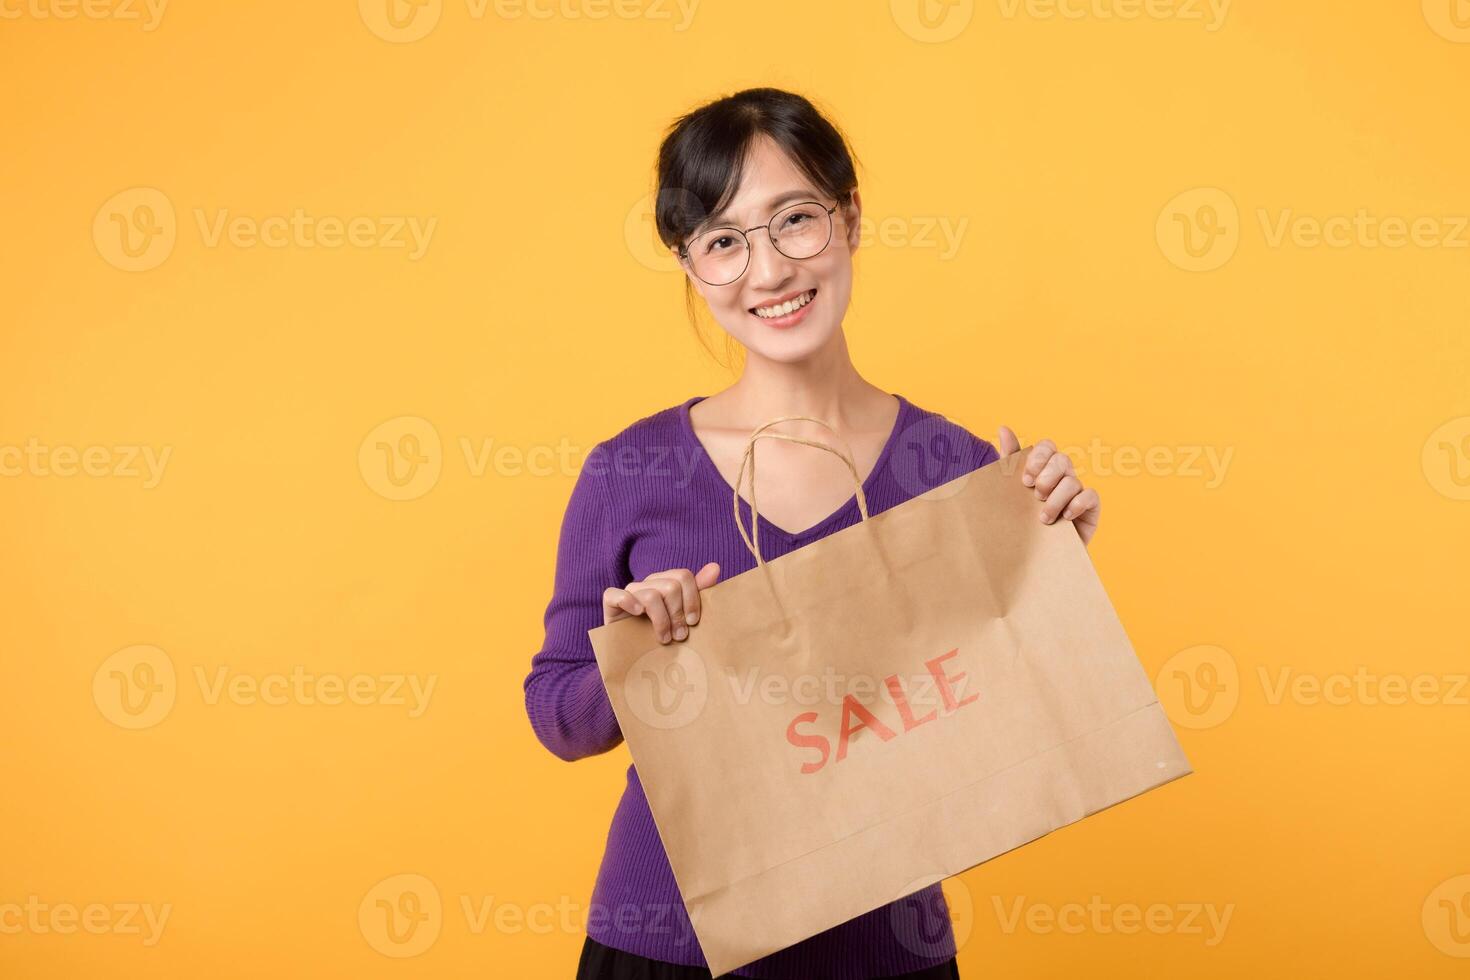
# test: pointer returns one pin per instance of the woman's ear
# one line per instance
(853, 219)
(684, 267)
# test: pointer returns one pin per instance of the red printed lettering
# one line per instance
(856, 716)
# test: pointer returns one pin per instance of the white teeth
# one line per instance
(769, 312)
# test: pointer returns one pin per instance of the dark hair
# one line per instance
(703, 155)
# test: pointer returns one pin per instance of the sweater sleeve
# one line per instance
(568, 706)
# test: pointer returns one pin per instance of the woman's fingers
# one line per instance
(1036, 460)
(1057, 467)
(703, 579)
(688, 611)
(1063, 495)
(669, 598)
(670, 585)
(1087, 503)
(619, 604)
(1067, 488)
(1083, 512)
(655, 602)
(673, 585)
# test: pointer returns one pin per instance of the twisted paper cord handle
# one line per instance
(749, 458)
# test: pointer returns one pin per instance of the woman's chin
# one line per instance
(788, 347)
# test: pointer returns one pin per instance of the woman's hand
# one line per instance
(1051, 473)
(670, 600)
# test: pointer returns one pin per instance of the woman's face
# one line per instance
(772, 278)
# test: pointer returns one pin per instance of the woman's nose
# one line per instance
(767, 265)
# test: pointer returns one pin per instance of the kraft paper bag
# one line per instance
(881, 709)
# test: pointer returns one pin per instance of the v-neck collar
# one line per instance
(686, 426)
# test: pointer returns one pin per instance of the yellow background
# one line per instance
(538, 318)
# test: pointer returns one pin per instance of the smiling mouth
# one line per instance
(777, 311)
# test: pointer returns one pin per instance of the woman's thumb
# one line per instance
(708, 575)
(1009, 443)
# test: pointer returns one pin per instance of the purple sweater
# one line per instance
(650, 499)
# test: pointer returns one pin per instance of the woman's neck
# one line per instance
(826, 385)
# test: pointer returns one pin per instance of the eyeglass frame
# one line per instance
(683, 252)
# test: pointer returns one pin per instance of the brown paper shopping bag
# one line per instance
(880, 709)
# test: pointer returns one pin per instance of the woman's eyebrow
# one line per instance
(723, 218)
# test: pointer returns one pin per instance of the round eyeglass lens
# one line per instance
(720, 255)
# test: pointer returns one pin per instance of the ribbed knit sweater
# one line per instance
(649, 499)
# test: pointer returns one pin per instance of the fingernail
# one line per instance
(691, 618)
(663, 638)
(638, 609)
(682, 633)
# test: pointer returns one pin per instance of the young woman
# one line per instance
(757, 196)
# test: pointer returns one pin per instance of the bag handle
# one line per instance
(749, 457)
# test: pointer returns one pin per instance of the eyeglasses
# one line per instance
(719, 256)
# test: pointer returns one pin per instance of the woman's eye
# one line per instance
(720, 244)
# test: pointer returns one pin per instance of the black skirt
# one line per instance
(601, 962)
